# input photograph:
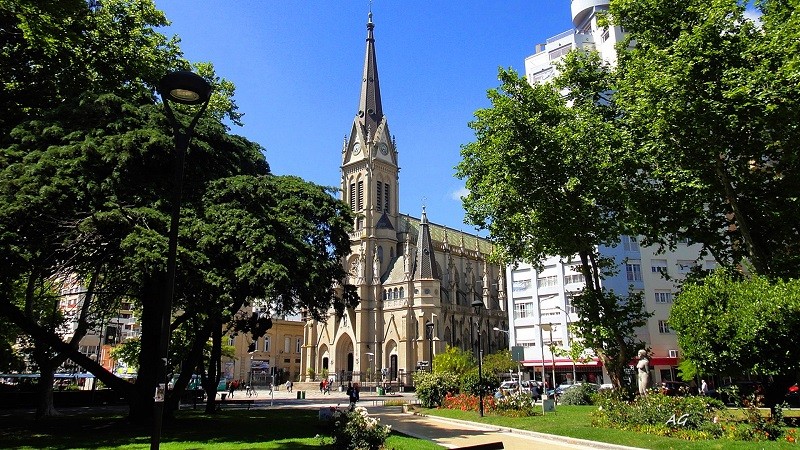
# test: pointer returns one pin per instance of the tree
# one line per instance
(710, 101)
(499, 362)
(455, 361)
(546, 176)
(82, 192)
(730, 325)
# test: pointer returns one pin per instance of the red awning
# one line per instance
(560, 362)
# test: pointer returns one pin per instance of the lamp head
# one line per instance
(477, 305)
(184, 87)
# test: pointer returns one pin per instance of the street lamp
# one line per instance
(569, 343)
(549, 327)
(429, 335)
(185, 88)
(477, 305)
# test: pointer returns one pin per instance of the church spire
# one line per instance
(370, 110)
(426, 263)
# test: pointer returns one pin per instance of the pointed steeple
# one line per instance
(426, 264)
(370, 110)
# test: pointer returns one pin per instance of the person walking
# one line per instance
(322, 386)
(288, 385)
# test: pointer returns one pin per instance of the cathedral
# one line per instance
(423, 287)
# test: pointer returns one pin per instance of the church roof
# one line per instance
(444, 235)
(370, 110)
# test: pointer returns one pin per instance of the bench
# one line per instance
(487, 446)
(235, 402)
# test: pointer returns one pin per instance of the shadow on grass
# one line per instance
(189, 428)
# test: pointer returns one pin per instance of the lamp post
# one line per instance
(429, 335)
(477, 305)
(549, 328)
(185, 88)
(569, 343)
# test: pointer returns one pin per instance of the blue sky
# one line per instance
(297, 68)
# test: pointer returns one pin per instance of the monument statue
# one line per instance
(643, 372)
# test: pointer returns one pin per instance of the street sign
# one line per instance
(518, 353)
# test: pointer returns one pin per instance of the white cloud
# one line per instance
(753, 15)
(456, 195)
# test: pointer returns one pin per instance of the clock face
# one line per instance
(384, 149)
(356, 148)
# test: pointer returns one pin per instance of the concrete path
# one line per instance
(448, 433)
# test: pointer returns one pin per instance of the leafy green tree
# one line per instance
(710, 101)
(731, 326)
(546, 177)
(499, 362)
(433, 387)
(454, 360)
(82, 192)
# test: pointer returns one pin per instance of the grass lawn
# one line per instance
(232, 429)
(575, 421)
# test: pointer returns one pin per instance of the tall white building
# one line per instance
(540, 301)
(538, 298)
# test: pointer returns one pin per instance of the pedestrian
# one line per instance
(328, 384)
(231, 388)
(288, 385)
(352, 395)
(703, 387)
(322, 386)
(535, 392)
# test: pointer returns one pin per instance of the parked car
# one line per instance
(676, 388)
(507, 387)
(743, 393)
(793, 396)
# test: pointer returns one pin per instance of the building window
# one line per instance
(523, 310)
(231, 341)
(633, 270)
(659, 266)
(520, 285)
(379, 203)
(605, 35)
(574, 278)
(287, 345)
(630, 243)
(568, 299)
(685, 265)
(298, 345)
(561, 51)
(663, 297)
(360, 199)
(548, 281)
(526, 343)
(344, 320)
(386, 198)
(663, 327)
(267, 343)
(353, 196)
(402, 292)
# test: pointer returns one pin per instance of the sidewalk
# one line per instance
(449, 433)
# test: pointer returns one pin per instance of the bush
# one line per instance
(356, 430)
(671, 415)
(518, 404)
(582, 394)
(432, 388)
(469, 383)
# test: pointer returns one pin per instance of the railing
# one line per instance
(560, 36)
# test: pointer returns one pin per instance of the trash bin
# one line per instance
(380, 391)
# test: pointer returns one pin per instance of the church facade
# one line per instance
(409, 272)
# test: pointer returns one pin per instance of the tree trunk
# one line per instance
(44, 392)
(214, 367)
(142, 408)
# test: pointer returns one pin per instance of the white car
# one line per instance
(509, 386)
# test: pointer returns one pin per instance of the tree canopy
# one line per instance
(547, 177)
(86, 171)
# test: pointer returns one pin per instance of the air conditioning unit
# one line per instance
(673, 353)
